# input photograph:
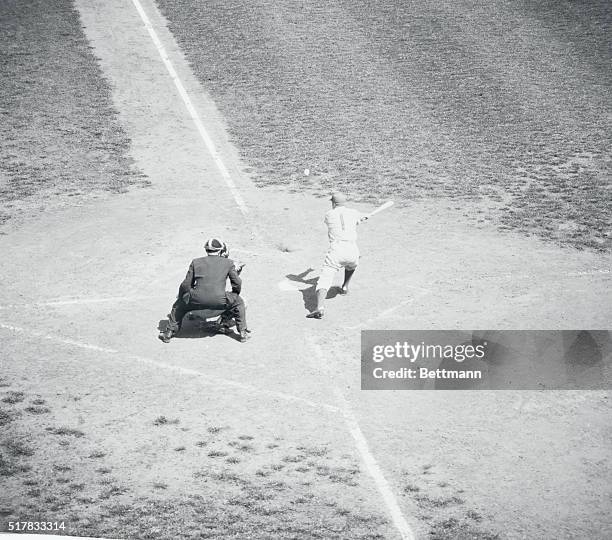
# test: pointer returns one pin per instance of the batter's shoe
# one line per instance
(316, 314)
(166, 336)
(343, 291)
(245, 335)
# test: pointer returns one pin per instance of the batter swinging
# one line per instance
(343, 252)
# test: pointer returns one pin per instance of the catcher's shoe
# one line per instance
(316, 314)
(223, 329)
(166, 336)
(245, 335)
(228, 322)
(343, 290)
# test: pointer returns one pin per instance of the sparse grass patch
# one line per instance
(411, 488)
(230, 477)
(119, 510)
(13, 397)
(216, 454)
(18, 447)
(242, 447)
(453, 529)
(339, 475)
(233, 460)
(437, 502)
(214, 430)
(240, 501)
(113, 491)
(7, 467)
(37, 410)
(163, 421)
(61, 468)
(5, 417)
(160, 485)
(258, 511)
(179, 449)
(258, 495)
(97, 454)
(473, 515)
(294, 459)
(270, 511)
(66, 432)
(313, 451)
(103, 470)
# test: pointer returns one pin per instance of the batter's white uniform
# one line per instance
(343, 251)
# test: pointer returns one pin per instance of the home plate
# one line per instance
(288, 285)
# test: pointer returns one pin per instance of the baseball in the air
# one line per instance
(306, 172)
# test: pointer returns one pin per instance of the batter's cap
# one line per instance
(213, 245)
(338, 197)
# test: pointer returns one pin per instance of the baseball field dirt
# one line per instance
(115, 434)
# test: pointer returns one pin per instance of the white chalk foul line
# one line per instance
(370, 463)
(207, 379)
(77, 301)
(208, 142)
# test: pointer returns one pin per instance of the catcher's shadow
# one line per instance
(196, 329)
(309, 294)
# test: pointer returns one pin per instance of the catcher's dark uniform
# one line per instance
(204, 288)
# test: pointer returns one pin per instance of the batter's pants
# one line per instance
(340, 255)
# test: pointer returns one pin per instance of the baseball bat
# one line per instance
(382, 207)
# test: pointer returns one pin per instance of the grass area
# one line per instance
(501, 104)
(443, 508)
(211, 494)
(59, 133)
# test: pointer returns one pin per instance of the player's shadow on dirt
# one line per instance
(195, 329)
(309, 294)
